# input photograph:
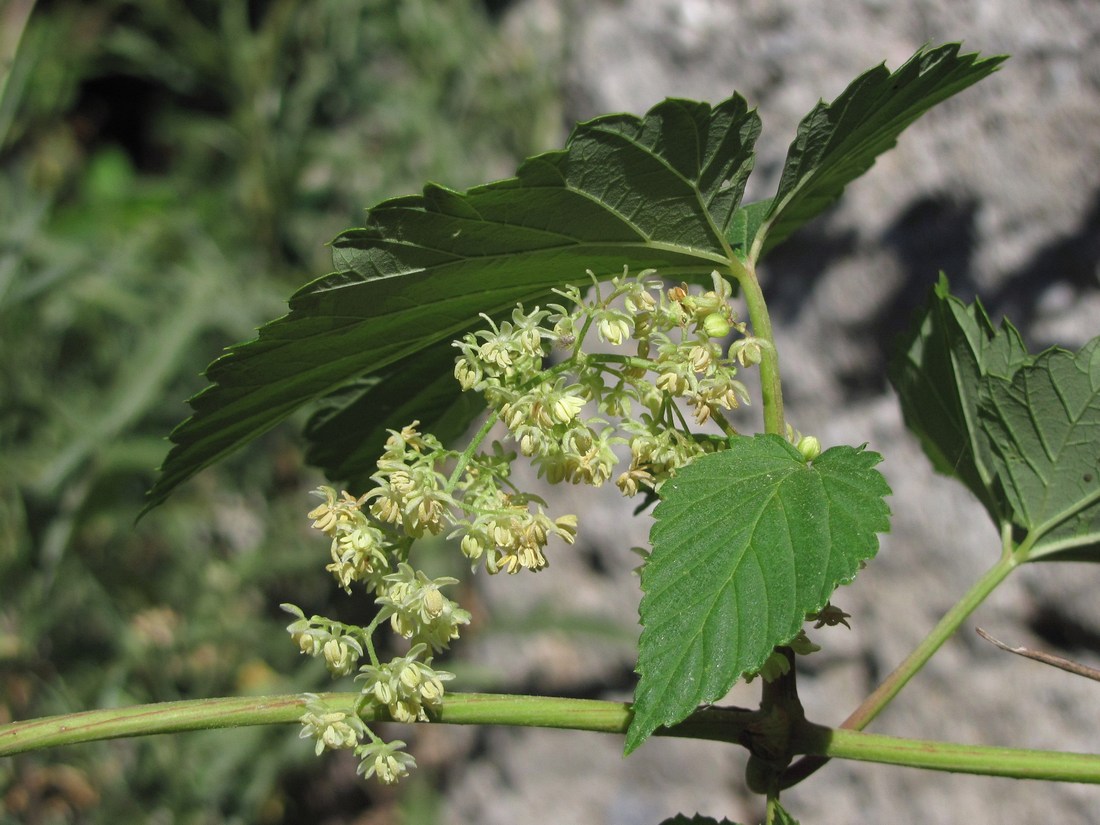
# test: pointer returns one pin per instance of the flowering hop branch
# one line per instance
(658, 349)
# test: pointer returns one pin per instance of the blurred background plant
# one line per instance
(171, 169)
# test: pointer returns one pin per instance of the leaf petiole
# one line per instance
(918, 658)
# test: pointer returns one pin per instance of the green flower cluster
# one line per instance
(420, 488)
(677, 340)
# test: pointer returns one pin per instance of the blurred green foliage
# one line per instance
(170, 172)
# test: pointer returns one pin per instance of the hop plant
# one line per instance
(574, 420)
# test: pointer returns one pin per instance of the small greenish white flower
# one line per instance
(342, 655)
(566, 407)
(405, 686)
(336, 511)
(306, 633)
(386, 760)
(331, 729)
(613, 326)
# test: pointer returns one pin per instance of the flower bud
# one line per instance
(716, 326)
(809, 446)
(434, 602)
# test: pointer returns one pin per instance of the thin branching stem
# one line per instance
(713, 723)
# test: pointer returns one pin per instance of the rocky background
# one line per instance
(1000, 188)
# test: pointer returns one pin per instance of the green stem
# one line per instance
(772, 815)
(870, 707)
(770, 388)
(718, 724)
(140, 720)
(722, 724)
(471, 448)
(892, 684)
(1018, 763)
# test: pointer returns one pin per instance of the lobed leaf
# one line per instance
(746, 542)
(839, 141)
(658, 191)
(939, 373)
(1022, 432)
(1044, 430)
(347, 432)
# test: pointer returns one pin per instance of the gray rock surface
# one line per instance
(1000, 188)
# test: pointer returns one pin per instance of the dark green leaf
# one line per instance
(1044, 427)
(347, 431)
(746, 223)
(839, 141)
(939, 373)
(1021, 432)
(746, 542)
(660, 191)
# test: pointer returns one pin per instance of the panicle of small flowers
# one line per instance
(406, 686)
(678, 339)
(419, 611)
(409, 492)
